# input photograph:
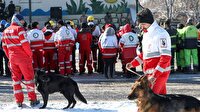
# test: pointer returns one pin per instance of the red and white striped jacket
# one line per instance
(36, 39)
(109, 43)
(156, 51)
(14, 42)
(128, 42)
(64, 38)
(49, 43)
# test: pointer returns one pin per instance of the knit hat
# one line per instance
(19, 17)
(145, 16)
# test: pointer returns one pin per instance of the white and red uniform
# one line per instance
(84, 38)
(64, 42)
(49, 51)
(17, 49)
(156, 56)
(36, 39)
(128, 44)
(109, 47)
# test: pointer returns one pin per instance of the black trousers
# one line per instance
(109, 63)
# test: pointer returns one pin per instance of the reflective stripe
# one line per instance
(61, 67)
(12, 37)
(21, 32)
(149, 71)
(94, 61)
(37, 45)
(67, 61)
(128, 46)
(139, 60)
(166, 51)
(13, 45)
(16, 83)
(109, 54)
(48, 42)
(49, 48)
(23, 41)
(153, 54)
(61, 62)
(29, 82)
(68, 66)
(30, 90)
(17, 91)
(37, 40)
(162, 69)
(108, 47)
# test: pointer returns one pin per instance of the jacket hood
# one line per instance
(109, 31)
(127, 28)
(16, 20)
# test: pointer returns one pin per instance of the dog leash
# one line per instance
(134, 72)
(152, 84)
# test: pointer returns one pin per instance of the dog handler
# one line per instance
(18, 51)
(156, 52)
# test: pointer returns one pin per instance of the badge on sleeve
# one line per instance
(163, 43)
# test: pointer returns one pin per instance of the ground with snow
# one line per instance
(92, 106)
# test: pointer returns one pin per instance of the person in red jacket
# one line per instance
(156, 52)
(36, 38)
(128, 44)
(84, 38)
(64, 40)
(49, 49)
(109, 46)
(18, 51)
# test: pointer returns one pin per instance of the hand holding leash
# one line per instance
(129, 66)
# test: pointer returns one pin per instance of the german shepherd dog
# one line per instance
(51, 83)
(147, 101)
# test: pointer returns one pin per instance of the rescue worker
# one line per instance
(128, 44)
(173, 34)
(70, 26)
(190, 35)
(64, 40)
(84, 38)
(198, 44)
(50, 55)
(180, 52)
(36, 39)
(95, 30)
(109, 47)
(17, 49)
(156, 52)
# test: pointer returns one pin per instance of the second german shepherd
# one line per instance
(50, 83)
(147, 101)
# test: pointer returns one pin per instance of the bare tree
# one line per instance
(169, 7)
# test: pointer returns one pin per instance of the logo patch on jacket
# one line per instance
(163, 42)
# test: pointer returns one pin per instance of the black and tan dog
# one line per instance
(51, 83)
(147, 101)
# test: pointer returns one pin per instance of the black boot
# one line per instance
(34, 103)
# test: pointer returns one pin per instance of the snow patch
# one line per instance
(92, 106)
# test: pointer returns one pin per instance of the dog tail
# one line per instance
(79, 95)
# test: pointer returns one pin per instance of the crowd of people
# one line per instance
(26, 49)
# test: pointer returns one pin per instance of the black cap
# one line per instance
(145, 16)
(84, 25)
